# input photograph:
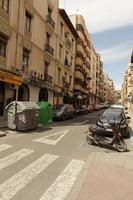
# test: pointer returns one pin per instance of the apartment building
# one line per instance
(109, 89)
(65, 60)
(28, 37)
(127, 88)
(82, 62)
(99, 79)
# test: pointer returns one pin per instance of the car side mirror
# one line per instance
(128, 117)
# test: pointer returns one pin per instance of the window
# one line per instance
(59, 76)
(70, 79)
(26, 55)
(60, 50)
(61, 29)
(3, 46)
(66, 75)
(48, 38)
(71, 61)
(28, 18)
(49, 11)
(5, 5)
(46, 68)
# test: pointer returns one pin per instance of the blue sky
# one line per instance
(110, 24)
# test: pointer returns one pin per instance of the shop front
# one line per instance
(9, 83)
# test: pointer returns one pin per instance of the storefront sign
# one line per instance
(10, 78)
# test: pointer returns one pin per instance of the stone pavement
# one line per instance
(110, 175)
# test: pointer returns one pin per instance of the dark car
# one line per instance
(81, 109)
(63, 111)
(113, 115)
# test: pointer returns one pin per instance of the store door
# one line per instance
(2, 95)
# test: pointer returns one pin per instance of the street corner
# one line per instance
(102, 181)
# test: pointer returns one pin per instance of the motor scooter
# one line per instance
(97, 136)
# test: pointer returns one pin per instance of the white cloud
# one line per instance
(101, 15)
(118, 52)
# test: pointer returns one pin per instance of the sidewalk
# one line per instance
(110, 175)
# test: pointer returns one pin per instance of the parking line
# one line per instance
(62, 185)
(4, 147)
(8, 160)
(10, 187)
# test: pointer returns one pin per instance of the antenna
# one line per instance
(64, 5)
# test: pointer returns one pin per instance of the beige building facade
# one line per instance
(127, 87)
(65, 59)
(82, 62)
(28, 37)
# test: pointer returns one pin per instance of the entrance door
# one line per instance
(43, 94)
(23, 93)
(2, 94)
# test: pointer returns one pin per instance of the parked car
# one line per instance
(90, 108)
(63, 111)
(81, 109)
(113, 115)
(96, 107)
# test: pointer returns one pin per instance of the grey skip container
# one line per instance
(22, 115)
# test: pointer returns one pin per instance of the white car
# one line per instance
(117, 106)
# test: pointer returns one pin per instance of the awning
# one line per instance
(8, 77)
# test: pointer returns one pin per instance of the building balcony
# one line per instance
(79, 61)
(68, 43)
(50, 21)
(48, 79)
(80, 54)
(49, 49)
(79, 27)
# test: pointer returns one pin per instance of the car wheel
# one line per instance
(126, 133)
(64, 118)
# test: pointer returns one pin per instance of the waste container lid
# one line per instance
(24, 105)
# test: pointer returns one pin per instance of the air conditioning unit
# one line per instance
(34, 73)
(40, 76)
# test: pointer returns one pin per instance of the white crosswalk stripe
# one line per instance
(10, 187)
(4, 147)
(8, 160)
(63, 184)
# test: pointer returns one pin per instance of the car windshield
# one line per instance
(112, 114)
(59, 107)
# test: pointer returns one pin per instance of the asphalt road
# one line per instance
(49, 163)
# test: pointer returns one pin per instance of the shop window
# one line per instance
(3, 46)
(5, 5)
(28, 19)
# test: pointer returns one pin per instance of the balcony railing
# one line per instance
(50, 21)
(79, 27)
(68, 43)
(48, 78)
(49, 49)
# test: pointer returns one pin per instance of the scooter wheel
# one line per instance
(121, 146)
(90, 141)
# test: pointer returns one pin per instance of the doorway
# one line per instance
(2, 97)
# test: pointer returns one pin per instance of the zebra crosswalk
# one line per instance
(58, 190)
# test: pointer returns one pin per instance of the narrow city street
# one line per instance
(49, 163)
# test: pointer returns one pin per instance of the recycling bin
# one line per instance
(23, 116)
(44, 112)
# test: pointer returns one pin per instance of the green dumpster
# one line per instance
(44, 112)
